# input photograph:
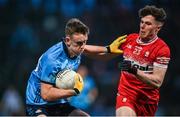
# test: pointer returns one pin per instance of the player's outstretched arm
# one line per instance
(93, 49)
(105, 52)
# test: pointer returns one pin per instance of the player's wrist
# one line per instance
(108, 50)
(76, 91)
(134, 71)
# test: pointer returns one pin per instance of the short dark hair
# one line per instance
(158, 13)
(74, 25)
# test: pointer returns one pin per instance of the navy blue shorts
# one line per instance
(49, 110)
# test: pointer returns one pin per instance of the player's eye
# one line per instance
(148, 23)
(80, 43)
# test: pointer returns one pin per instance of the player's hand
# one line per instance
(114, 46)
(79, 84)
(127, 66)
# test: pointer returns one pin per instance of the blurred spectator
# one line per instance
(36, 4)
(11, 103)
(72, 8)
(89, 93)
(126, 4)
(50, 6)
(24, 37)
(3, 3)
(50, 23)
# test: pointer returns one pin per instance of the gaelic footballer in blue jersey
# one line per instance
(42, 97)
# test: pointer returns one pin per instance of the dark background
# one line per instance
(29, 27)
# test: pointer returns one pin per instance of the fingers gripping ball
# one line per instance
(114, 46)
(79, 84)
(66, 79)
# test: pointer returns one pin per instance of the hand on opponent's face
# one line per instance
(114, 46)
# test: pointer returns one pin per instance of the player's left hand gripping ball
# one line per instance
(79, 84)
(114, 46)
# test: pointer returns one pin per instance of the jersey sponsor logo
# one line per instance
(143, 68)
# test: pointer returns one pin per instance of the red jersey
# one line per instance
(144, 56)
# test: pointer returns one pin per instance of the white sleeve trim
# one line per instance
(160, 65)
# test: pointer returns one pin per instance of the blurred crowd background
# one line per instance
(29, 27)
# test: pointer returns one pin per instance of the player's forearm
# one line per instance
(54, 94)
(92, 49)
(150, 79)
(101, 56)
(98, 52)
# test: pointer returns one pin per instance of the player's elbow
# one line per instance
(45, 97)
(157, 84)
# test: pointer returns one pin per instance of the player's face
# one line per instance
(149, 27)
(76, 43)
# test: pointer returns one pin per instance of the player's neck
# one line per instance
(148, 40)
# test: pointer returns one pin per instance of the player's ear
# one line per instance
(67, 40)
(158, 28)
(160, 24)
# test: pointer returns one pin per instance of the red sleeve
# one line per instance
(129, 38)
(163, 57)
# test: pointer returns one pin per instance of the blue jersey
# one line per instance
(49, 64)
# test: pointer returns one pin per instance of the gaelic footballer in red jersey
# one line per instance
(146, 58)
(143, 56)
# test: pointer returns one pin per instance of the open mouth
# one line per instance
(142, 32)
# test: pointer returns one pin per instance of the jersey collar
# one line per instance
(138, 40)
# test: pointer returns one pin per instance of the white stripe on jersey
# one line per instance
(160, 65)
(163, 60)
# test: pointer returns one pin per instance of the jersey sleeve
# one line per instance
(48, 70)
(163, 57)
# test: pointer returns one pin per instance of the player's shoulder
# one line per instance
(130, 39)
(162, 42)
(132, 36)
(54, 51)
(162, 45)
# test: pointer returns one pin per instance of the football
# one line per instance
(66, 79)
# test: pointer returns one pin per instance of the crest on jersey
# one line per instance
(129, 46)
(124, 99)
(146, 54)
